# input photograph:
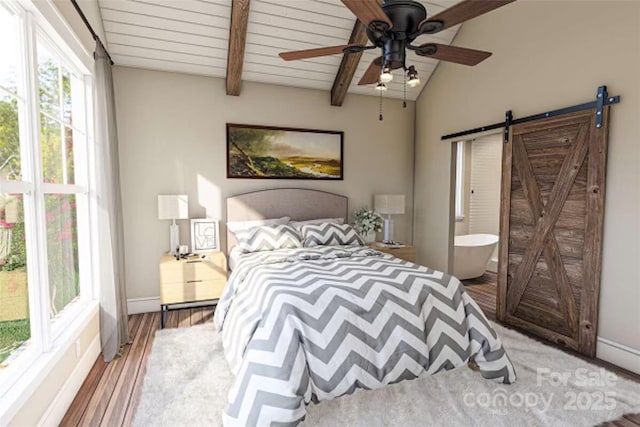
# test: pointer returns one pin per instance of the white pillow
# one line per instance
(299, 224)
(236, 226)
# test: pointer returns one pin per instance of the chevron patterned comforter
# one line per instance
(311, 324)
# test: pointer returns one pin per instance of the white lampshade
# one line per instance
(173, 206)
(389, 204)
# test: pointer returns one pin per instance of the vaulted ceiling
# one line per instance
(192, 36)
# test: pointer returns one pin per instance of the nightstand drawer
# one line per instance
(406, 252)
(194, 279)
(187, 271)
(197, 290)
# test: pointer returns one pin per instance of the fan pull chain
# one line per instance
(404, 96)
(380, 116)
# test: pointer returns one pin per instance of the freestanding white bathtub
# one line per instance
(472, 253)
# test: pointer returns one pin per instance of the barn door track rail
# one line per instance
(602, 99)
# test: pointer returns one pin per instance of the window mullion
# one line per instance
(82, 152)
(51, 188)
(35, 226)
(11, 94)
(16, 187)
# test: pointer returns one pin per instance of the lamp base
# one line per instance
(388, 229)
(174, 238)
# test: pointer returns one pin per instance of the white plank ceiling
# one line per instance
(192, 36)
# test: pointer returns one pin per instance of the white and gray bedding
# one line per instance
(312, 324)
(233, 257)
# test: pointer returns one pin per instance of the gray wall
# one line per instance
(173, 140)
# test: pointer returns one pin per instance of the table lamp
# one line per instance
(389, 204)
(173, 207)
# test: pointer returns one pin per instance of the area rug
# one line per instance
(187, 380)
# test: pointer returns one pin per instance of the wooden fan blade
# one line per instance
(463, 11)
(312, 53)
(373, 73)
(367, 11)
(459, 55)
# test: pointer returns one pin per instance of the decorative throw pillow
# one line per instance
(330, 234)
(269, 238)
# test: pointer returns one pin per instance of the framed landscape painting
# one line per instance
(283, 153)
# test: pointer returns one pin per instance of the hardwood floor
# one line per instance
(483, 290)
(110, 393)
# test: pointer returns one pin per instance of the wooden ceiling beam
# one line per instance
(237, 39)
(349, 64)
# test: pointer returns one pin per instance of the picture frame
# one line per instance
(205, 235)
(269, 152)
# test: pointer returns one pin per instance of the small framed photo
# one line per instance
(205, 235)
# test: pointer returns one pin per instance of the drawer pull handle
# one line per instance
(191, 262)
(193, 281)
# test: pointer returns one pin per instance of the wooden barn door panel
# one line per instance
(551, 228)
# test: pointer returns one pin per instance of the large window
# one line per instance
(44, 215)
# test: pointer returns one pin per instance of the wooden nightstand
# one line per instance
(194, 279)
(407, 252)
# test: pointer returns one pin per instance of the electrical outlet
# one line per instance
(78, 352)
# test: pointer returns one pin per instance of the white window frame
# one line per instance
(80, 189)
(40, 21)
(459, 199)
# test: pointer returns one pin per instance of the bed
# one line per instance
(303, 325)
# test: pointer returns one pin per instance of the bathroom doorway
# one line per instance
(478, 169)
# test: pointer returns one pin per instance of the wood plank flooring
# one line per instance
(483, 290)
(111, 391)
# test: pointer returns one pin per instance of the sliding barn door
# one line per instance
(551, 228)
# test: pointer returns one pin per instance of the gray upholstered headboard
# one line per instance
(298, 203)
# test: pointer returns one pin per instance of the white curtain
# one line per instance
(114, 329)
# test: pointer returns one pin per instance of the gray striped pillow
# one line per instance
(269, 238)
(330, 234)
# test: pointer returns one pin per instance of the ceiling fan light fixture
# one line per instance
(381, 87)
(392, 27)
(412, 77)
(413, 82)
(386, 76)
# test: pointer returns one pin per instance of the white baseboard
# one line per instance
(618, 354)
(143, 305)
(492, 266)
(58, 407)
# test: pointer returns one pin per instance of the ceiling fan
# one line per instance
(393, 26)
